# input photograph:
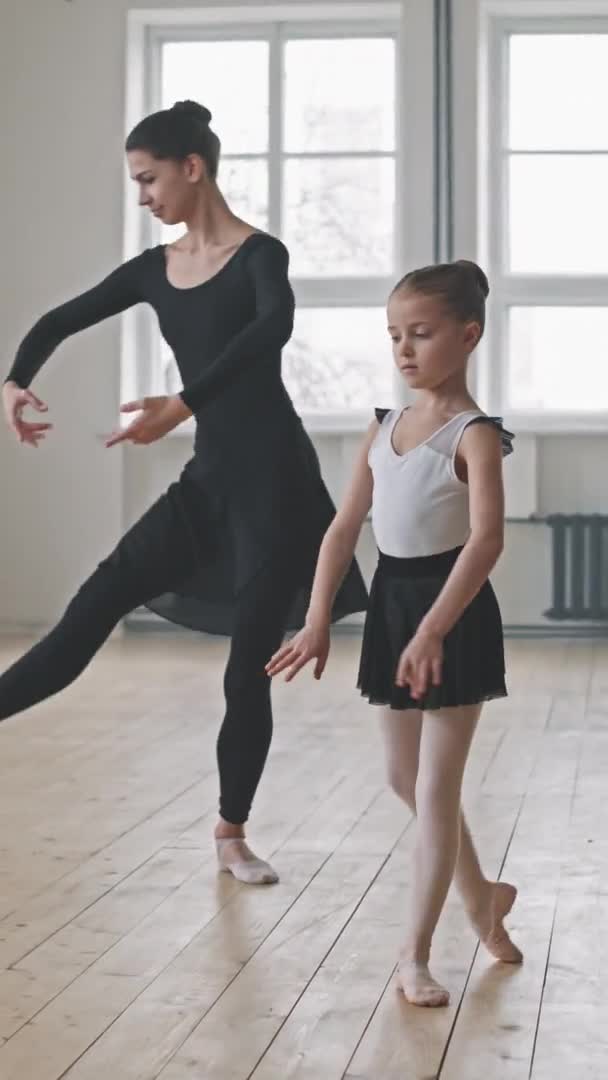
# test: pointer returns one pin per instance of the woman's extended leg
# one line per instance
(150, 559)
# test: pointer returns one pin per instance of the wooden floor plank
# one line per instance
(122, 952)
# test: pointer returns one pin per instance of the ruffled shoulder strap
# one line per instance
(381, 414)
(506, 437)
(382, 435)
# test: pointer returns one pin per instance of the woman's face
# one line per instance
(167, 187)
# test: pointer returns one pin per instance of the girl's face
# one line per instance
(430, 346)
(167, 187)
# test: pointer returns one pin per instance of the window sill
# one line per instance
(544, 423)
(357, 423)
(338, 423)
(348, 423)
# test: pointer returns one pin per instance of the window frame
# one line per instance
(148, 30)
(500, 19)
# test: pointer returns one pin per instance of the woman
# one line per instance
(231, 547)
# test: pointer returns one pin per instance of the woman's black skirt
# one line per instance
(402, 592)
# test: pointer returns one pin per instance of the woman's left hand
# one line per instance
(420, 663)
(157, 416)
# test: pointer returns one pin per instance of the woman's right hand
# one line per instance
(310, 643)
(14, 401)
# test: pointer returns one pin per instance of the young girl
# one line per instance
(432, 645)
(231, 546)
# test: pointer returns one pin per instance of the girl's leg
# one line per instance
(246, 733)
(151, 558)
(486, 902)
(444, 746)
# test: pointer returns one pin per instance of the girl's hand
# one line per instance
(157, 416)
(420, 663)
(310, 643)
(14, 401)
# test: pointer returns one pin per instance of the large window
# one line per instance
(306, 113)
(547, 354)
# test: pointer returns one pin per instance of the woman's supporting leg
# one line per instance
(246, 733)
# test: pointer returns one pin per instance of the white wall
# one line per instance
(64, 506)
(570, 477)
(7, 277)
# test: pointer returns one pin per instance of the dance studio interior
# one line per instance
(372, 138)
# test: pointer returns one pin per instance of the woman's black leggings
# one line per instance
(120, 585)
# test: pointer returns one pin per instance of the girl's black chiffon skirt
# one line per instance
(402, 592)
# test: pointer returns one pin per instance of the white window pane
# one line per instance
(558, 88)
(170, 233)
(559, 214)
(245, 186)
(339, 359)
(339, 216)
(558, 358)
(171, 378)
(340, 95)
(231, 79)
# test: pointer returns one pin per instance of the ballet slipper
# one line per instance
(236, 858)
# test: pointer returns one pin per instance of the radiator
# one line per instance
(580, 566)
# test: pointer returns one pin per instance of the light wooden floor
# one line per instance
(124, 956)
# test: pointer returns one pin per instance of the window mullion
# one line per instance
(342, 292)
(553, 291)
(493, 355)
(275, 131)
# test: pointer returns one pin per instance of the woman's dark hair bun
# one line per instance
(477, 273)
(192, 108)
(175, 133)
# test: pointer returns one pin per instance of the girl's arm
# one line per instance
(335, 557)
(481, 450)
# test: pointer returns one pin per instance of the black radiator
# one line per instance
(580, 566)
